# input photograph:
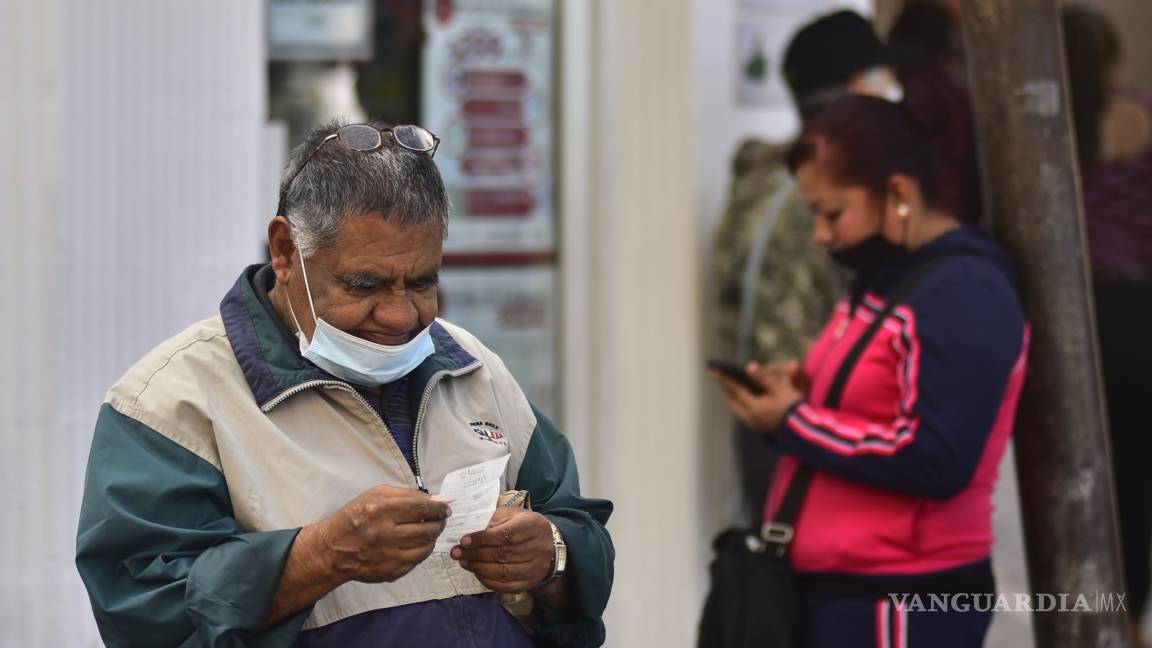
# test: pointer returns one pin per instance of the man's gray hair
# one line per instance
(403, 185)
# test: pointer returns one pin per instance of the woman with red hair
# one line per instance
(896, 455)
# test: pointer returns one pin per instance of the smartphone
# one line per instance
(737, 373)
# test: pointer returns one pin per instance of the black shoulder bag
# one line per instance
(754, 601)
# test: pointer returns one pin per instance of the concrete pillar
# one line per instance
(632, 302)
(1033, 197)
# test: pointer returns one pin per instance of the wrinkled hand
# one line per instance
(784, 385)
(383, 533)
(514, 554)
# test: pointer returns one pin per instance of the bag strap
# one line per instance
(895, 298)
(781, 529)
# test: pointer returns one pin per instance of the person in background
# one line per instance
(928, 56)
(1114, 144)
(903, 469)
(775, 288)
(927, 33)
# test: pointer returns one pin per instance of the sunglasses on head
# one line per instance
(365, 138)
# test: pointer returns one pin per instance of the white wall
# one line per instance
(133, 186)
(35, 554)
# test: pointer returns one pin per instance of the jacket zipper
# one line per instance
(432, 382)
(292, 391)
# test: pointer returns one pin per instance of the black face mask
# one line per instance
(868, 255)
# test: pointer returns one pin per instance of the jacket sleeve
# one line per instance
(164, 561)
(548, 473)
(955, 356)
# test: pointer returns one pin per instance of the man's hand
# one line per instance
(784, 385)
(514, 554)
(382, 534)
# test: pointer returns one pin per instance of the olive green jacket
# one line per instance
(796, 284)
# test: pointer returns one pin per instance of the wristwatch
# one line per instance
(559, 557)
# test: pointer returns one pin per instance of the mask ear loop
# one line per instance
(308, 292)
(307, 288)
(291, 310)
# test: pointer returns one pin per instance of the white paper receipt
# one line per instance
(472, 493)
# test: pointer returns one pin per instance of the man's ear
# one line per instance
(281, 248)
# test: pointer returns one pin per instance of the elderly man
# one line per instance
(263, 477)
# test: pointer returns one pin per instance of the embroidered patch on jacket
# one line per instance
(488, 432)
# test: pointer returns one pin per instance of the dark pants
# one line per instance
(862, 622)
(1124, 325)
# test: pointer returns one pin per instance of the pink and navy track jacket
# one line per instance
(905, 468)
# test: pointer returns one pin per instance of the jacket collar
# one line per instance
(968, 240)
(272, 363)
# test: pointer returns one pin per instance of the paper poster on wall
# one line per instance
(306, 30)
(487, 93)
(512, 311)
(763, 32)
(759, 50)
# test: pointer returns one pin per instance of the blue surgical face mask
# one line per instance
(355, 359)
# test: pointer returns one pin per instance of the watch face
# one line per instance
(560, 557)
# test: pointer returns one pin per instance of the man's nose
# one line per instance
(396, 313)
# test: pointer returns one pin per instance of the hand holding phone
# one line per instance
(737, 373)
(774, 390)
